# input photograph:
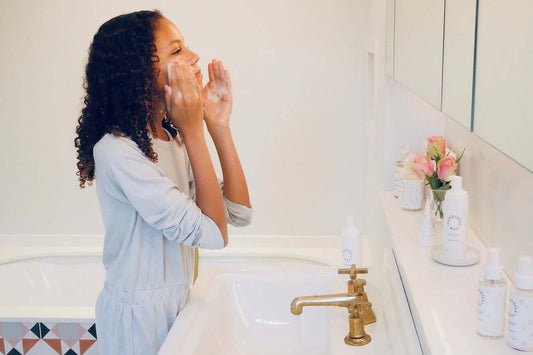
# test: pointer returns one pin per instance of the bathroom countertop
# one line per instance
(443, 299)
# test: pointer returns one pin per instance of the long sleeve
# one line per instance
(127, 176)
(236, 214)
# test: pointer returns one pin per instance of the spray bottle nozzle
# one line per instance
(524, 275)
(493, 268)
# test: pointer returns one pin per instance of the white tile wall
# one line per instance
(500, 190)
(501, 196)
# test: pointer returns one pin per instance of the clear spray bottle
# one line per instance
(491, 298)
(520, 327)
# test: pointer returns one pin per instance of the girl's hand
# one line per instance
(217, 96)
(183, 99)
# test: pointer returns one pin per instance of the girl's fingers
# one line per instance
(218, 70)
(182, 78)
(210, 70)
(228, 78)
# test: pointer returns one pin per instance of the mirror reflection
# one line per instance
(503, 111)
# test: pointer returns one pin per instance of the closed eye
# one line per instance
(177, 51)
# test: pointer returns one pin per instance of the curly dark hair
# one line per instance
(120, 84)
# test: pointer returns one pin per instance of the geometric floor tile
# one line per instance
(43, 329)
(85, 345)
(27, 344)
(12, 332)
(36, 330)
(20, 338)
(54, 344)
(92, 330)
(41, 348)
(17, 337)
(73, 349)
(93, 350)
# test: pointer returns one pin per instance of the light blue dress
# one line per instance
(151, 225)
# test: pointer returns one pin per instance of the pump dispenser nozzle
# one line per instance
(493, 268)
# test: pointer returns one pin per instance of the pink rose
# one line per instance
(436, 147)
(420, 165)
(446, 168)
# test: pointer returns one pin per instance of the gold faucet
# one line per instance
(355, 300)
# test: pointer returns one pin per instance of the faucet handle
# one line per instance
(359, 286)
(353, 271)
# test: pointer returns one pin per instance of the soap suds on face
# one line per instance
(169, 69)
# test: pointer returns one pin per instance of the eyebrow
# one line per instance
(176, 41)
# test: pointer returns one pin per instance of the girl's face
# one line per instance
(170, 45)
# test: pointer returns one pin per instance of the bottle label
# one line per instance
(520, 329)
(454, 234)
(347, 255)
(491, 310)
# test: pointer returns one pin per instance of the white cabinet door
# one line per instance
(503, 109)
(418, 42)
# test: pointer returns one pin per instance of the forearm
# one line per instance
(235, 186)
(208, 195)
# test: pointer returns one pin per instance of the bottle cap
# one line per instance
(456, 182)
(349, 227)
(349, 222)
(524, 276)
(493, 267)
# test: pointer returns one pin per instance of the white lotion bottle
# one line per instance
(491, 298)
(455, 223)
(351, 246)
(520, 327)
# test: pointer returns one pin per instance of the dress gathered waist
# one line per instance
(143, 296)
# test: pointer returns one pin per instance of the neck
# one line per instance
(159, 131)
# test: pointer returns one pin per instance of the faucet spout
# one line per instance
(339, 299)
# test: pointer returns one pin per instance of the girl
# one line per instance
(141, 135)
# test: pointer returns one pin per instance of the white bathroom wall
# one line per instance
(500, 196)
(409, 120)
(298, 75)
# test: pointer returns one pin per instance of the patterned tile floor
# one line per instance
(19, 338)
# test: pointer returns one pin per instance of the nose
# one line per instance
(194, 58)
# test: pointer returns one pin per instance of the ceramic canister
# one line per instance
(412, 195)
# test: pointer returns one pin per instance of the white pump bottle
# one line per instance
(351, 246)
(520, 327)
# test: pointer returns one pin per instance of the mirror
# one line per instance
(418, 36)
(458, 60)
(503, 115)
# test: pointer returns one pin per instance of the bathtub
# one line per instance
(51, 288)
(47, 305)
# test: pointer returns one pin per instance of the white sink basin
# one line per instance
(243, 307)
